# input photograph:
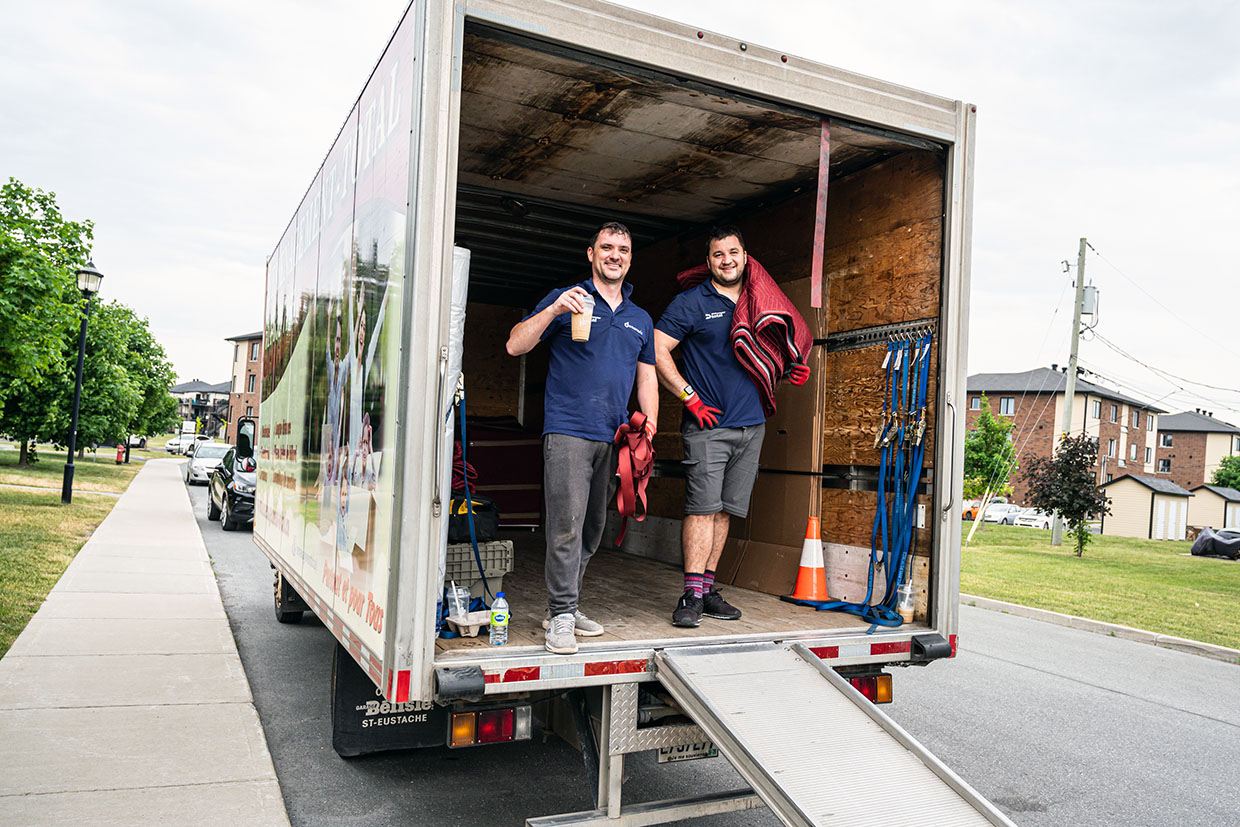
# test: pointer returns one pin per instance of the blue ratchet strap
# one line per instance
(875, 615)
(469, 502)
(917, 462)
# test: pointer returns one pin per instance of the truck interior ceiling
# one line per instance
(555, 142)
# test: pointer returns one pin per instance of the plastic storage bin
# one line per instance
(463, 568)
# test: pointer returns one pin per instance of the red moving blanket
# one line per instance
(769, 336)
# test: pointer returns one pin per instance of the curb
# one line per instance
(1192, 647)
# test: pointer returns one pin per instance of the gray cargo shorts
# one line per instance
(721, 465)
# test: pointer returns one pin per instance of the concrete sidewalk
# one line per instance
(124, 700)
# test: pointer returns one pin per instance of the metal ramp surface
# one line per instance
(810, 745)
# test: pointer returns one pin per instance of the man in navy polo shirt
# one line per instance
(723, 423)
(587, 396)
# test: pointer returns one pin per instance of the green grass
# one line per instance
(92, 473)
(1147, 584)
(38, 538)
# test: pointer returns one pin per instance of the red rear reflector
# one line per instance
(494, 725)
(526, 673)
(614, 667)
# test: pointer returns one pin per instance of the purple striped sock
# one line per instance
(693, 583)
(708, 581)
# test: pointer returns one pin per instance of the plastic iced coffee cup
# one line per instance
(581, 321)
(904, 604)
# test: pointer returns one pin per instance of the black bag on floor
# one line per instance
(486, 518)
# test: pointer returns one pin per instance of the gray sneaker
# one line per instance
(560, 639)
(583, 626)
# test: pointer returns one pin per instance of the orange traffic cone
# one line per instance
(812, 575)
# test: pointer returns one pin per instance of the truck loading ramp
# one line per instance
(814, 749)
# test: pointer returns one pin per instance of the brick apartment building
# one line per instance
(1125, 428)
(247, 379)
(1191, 445)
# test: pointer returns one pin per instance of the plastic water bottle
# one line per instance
(499, 620)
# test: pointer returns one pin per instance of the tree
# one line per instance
(1228, 472)
(989, 455)
(1064, 484)
(39, 300)
(148, 368)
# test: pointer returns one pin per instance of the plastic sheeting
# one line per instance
(452, 381)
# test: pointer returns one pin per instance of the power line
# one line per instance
(1167, 374)
(1196, 328)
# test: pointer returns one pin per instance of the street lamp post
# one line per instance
(88, 279)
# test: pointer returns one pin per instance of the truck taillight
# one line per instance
(490, 726)
(875, 688)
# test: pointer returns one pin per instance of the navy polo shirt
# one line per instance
(701, 318)
(589, 383)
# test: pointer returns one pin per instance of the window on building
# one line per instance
(1133, 452)
(1136, 419)
(236, 351)
(1110, 447)
(1096, 413)
(975, 404)
(1007, 405)
(1235, 443)
(1165, 441)
(1115, 413)
(249, 410)
(1164, 466)
(1149, 455)
(254, 351)
(1149, 422)
(249, 384)
(1110, 477)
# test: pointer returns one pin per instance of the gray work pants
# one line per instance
(577, 475)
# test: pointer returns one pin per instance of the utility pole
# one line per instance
(1070, 390)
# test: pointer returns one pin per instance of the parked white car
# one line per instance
(190, 445)
(1032, 518)
(173, 446)
(206, 456)
(1002, 513)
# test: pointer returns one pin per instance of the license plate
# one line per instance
(687, 752)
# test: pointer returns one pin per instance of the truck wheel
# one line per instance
(213, 512)
(284, 615)
(226, 520)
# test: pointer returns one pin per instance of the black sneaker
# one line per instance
(713, 605)
(688, 610)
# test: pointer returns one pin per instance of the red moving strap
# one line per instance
(636, 463)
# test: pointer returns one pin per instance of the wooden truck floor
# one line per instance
(633, 597)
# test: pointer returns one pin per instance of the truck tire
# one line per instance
(213, 512)
(284, 615)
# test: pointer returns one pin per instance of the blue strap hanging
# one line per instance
(899, 473)
(469, 502)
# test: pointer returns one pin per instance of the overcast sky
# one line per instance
(189, 131)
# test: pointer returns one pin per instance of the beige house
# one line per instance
(1214, 506)
(1146, 507)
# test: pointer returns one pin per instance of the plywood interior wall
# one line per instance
(492, 377)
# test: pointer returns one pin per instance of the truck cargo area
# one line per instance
(554, 142)
(632, 597)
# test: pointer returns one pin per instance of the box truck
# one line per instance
(489, 142)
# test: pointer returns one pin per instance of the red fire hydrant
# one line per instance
(120, 453)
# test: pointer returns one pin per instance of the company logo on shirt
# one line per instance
(636, 330)
(717, 315)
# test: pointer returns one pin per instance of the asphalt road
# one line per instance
(1056, 726)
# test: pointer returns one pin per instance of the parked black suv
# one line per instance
(230, 498)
